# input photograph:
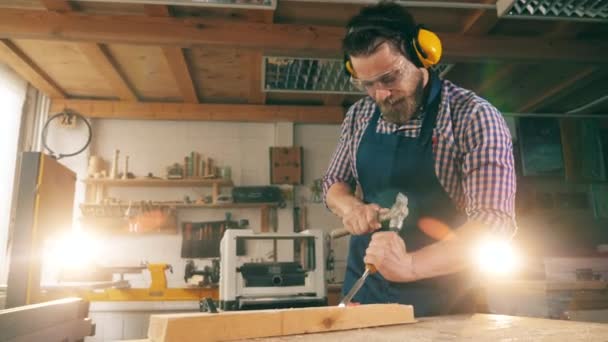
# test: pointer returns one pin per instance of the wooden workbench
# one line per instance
(478, 327)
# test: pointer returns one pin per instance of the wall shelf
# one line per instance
(186, 206)
(154, 182)
(96, 189)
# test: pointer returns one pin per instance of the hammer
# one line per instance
(396, 214)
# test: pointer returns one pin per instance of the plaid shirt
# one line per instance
(472, 148)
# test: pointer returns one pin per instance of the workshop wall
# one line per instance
(319, 143)
(153, 145)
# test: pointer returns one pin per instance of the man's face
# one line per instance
(395, 83)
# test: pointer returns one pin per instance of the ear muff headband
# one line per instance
(425, 47)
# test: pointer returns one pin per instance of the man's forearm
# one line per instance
(340, 199)
(449, 255)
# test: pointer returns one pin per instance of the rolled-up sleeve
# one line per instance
(489, 182)
(340, 166)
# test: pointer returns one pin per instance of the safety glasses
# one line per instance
(389, 79)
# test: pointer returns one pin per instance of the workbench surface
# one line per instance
(478, 327)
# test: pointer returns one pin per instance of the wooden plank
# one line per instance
(148, 72)
(228, 326)
(564, 30)
(175, 59)
(179, 67)
(28, 319)
(65, 63)
(256, 91)
(220, 73)
(57, 5)
(535, 102)
(202, 112)
(481, 21)
(16, 23)
(24, 66)
(105, 64)
(157, 10)
(333, 99)
(265, 220)
(506, 70)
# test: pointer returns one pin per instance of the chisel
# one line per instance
(369, 269)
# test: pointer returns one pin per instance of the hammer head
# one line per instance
(398, 212)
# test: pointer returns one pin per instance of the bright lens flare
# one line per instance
(75, 250)
(497, 257)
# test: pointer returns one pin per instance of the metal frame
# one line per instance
(266, 70)
(554, 10)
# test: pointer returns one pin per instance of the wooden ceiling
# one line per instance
(177, 62)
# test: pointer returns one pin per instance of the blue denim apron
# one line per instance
(388, 164)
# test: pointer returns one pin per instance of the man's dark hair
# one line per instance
(374, 25)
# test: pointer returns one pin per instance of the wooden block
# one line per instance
(235, 325)
(264, 220)
(286, 165)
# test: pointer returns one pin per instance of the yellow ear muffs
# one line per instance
(427, 47)
(349, 67)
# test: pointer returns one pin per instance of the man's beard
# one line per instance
(400, 110)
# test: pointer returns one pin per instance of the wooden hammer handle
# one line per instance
(338, 233)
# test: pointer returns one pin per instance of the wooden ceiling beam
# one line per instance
(560, 89)
(130, 29)
(157, 10)
(256, 91)
(181, 72)
(561, 29)
(174, 55)
(202, 112)
(493, 79)
(26, 68)
(98, 56)
(101, 59)
(481, 21)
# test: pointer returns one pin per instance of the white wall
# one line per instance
(12, 95)
(319, 143)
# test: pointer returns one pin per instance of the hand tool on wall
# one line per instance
(396, 214)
